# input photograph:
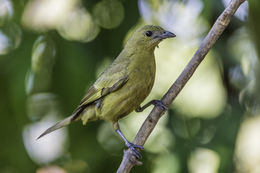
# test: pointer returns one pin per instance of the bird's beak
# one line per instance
(167, 34)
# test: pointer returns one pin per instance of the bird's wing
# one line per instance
(102, 87)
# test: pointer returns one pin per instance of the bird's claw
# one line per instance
(160, 104)
(133, 148)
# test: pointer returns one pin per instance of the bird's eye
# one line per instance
(148, 33)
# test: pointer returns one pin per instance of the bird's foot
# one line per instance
(134, 148)
(160, 104)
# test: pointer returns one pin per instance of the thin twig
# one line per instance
(129, 160)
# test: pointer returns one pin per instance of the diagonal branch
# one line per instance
(129, 160)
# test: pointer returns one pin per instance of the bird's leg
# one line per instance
(130, 145)
(152, 102)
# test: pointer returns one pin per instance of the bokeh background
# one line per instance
(51, 51)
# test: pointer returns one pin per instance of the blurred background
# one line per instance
(52, 51)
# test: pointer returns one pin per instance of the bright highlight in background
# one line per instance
(47, 149)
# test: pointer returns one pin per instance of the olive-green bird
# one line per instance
(122, 87)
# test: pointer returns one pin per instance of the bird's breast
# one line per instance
(142, 76)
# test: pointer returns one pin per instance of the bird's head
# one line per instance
(149, 37)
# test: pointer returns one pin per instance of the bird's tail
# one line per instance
(58, 125)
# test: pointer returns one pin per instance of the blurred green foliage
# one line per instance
(51, 51)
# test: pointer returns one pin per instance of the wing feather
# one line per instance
(103, 88)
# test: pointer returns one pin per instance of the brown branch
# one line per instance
(129, 160)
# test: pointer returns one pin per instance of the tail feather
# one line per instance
(58, 125)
